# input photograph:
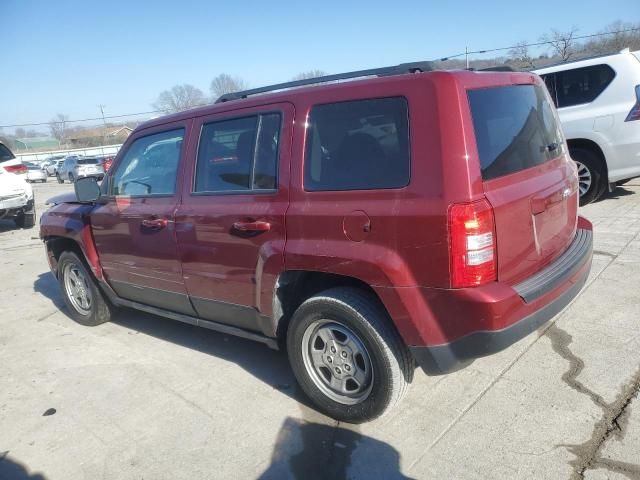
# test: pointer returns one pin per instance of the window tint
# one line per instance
(515, 128)
(87, 161)
(5, 154)
(149, 166)
(238, 154)
(579, 85)
(358, 145)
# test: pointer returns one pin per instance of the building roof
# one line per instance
(35, 142)
(100, 132)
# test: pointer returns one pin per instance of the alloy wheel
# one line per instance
(77, 288)
(584, 178)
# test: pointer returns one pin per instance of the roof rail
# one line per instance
(380, 72)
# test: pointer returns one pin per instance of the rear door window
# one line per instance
(238, 154)
(358, 145)
(515, 128)
(579, 85)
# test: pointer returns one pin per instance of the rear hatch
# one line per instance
(527, 175)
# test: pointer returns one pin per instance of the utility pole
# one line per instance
(466, 56)
(104, 132)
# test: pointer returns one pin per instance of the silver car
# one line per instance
(35, 173)
(75, 167)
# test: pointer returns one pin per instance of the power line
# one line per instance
(465, 53)
(536, 44)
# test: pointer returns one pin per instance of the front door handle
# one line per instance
(155, 223)
(258, 226)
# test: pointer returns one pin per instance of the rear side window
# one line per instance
(358, 145)
(579, 85)
(5, 154)
(515, 128)
(238, 154)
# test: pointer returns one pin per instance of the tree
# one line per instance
(20, 132)
(562, 43)
(520, 54)
(179, 98)
(309, 74)
(57, 126)
(225, 83)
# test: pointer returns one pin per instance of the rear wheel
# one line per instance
(84, 299)
(71, 178)
(60, 179)
(591, 176)
(346, 355)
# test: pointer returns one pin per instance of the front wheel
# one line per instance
(26, 220)
(347, 356)
(84, 299)
(591, 176)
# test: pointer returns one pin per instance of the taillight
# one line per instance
(19, 169)
(634, 114)
(472, 244)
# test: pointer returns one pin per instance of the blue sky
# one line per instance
(70, 56)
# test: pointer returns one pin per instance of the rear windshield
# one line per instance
(5, 154)
(515, 128)
(87, 161)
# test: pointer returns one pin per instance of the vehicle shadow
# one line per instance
(618, 192)
(12, 470)
(307, 450)
(269, 366)
(7, 225)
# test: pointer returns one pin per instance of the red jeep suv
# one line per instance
(412, 217)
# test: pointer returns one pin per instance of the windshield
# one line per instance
(5, 154)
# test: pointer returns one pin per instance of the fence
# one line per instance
(40, 156)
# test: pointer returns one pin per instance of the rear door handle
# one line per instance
(258, 226)
(155, 223)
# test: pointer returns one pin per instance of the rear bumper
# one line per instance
(539, 299)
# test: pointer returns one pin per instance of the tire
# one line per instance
(71, 179)
(361, 330)
(26, 220)
(591, 176)
(89, 307)
(44, 180)
(60, 179)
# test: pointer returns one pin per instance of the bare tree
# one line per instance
(225, 83)
(563, 44)
(615, 37)
(179, 98)
(57, 126)
(520, 54)
(309, 74)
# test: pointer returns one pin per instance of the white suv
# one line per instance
(598, 100)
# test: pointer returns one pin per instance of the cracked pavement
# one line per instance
(145, 397)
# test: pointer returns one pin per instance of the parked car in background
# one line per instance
(52, 168)
(35, 173)
(10, 163)
(419, 218)
(16, 198)
(598, 100)
(52, 160)
(75, 167)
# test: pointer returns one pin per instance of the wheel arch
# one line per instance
(293, 287)
(593, 147)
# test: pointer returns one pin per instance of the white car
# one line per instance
(598, 100)
(10, 163)
(52, 169)
(16, 198)
(36, 174)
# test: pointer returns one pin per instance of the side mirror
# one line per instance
(87, 189)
